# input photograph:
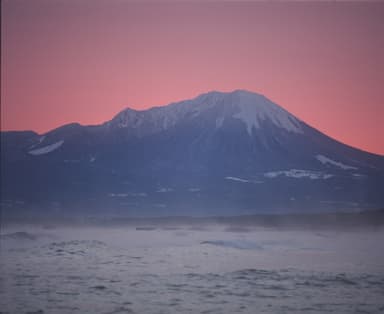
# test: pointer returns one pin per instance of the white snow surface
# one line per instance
(118, 194)
(135, 194)
(164, 190)
(46, 149)
(298, 174)
(254, 109)
(194, 190)
(325, 160)
(237, 179)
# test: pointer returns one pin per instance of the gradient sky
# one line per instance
(84, 60)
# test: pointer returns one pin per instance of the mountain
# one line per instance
(217, 154)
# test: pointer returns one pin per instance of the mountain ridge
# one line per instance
(177, 103)
(218, 153)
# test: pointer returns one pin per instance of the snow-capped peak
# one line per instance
(251, 108)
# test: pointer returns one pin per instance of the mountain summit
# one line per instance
(250, 108)
(217, 154)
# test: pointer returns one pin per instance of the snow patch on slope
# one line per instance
(237, 179)
(298, 174)
(39, 141)
(254, 109)
(46, 149)
(193, 190)
(219, 122)
(325, 160)
(164, 190)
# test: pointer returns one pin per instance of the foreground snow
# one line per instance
(190, 269)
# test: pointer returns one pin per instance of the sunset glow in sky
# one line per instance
(85, 60)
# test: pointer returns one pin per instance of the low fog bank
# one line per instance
(373, 219)
(202, 250)
(334, 241)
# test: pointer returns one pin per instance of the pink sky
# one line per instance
(84, 60)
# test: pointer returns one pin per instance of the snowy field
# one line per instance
(189, 269)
